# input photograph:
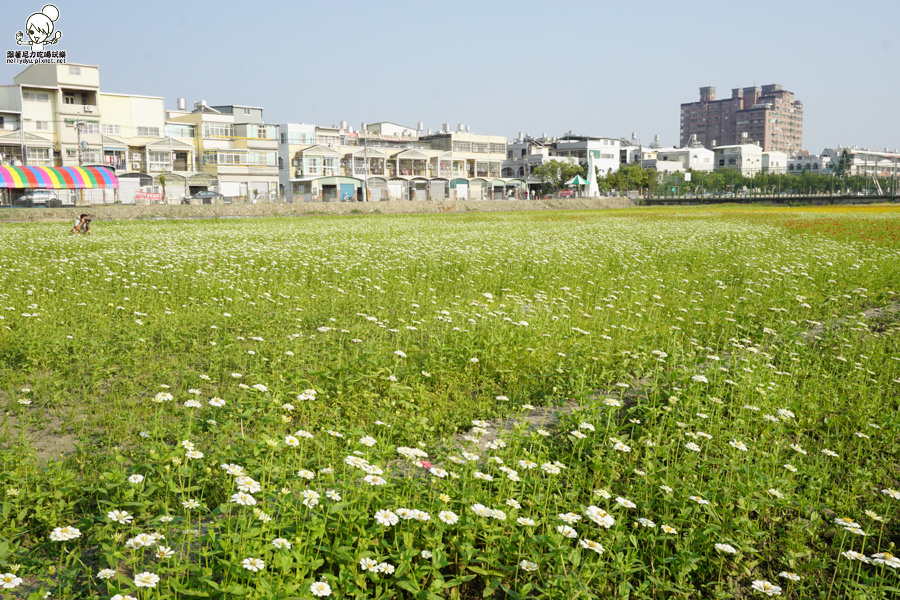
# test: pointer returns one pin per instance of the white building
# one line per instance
(774, 162)
(746, 158)
(803, 161)
(600, 156)
(695, 158)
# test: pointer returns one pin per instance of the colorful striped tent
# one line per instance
(58, 178)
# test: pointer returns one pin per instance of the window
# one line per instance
(211, 130)
(39, 156)
(36, 96)
(42, 125)
(74, 70)
(90, 127)
(178, 130)
(246, 111)
(111, 129)
(69, 99)
(148, 131)
(160, 161)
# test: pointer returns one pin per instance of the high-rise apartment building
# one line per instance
(767, 115)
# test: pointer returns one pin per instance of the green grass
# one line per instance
(703, 362)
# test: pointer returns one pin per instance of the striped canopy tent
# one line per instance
(58, 178)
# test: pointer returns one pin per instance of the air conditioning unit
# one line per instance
(88, 108)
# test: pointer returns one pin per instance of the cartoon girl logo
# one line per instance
(39, 28)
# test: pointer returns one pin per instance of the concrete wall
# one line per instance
(117, 212)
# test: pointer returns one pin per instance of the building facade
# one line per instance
(387, 161)
(768, 116)
(746, 158)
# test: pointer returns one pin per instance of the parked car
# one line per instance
(46, 198)
(205, 196)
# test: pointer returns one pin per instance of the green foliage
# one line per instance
(555, 173)
(702, 377)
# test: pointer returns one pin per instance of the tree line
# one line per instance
(634, 178)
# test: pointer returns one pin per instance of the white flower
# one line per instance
(550, 468)
(646, 523)
(726, 548)
(738, 445)
(259, 387)
(374, 480)
(63, 534)
(367, 564)
(216, 402)
(769, 589)
(194, 454)
(526, 521)
(253, 564)
(106, 573)
(625, 502)
(146, 579)
(384, 567)
(305, 474)
(9, 581)
(789, 575)
(136, 479)
(243, 499)
(603, 494)
(192, 403)
(310, 498)
(828, 452)
(591, 545)
(368, 441)
(190, 503)
(668, 529)
(513, 503)
(692, 447)
(387, 518)
(887, 559)
(775, 493)
(853, 555)
(320, 589)
(567, 531)
(527, 565)
(895, 494)
(569, 518)
(281, 543)
(163, 552)
(247, 484)
(162, 397)
(448, 516)
(797, 448)
(699, 500)
(699, 378)
(120, 516)
(599, 516)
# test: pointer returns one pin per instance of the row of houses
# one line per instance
(56, 115)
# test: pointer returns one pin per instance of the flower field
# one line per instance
(696, 403)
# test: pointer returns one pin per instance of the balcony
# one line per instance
(81, 110)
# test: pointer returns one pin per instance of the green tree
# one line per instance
(555, 173)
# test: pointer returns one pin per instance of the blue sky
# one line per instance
(595, 67)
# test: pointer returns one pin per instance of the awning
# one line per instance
(57, 178)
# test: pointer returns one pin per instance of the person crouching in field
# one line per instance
(82, 224)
